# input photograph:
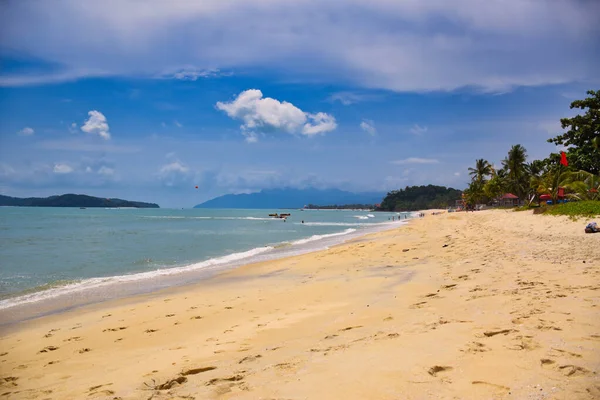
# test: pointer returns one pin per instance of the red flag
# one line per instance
(563, 158)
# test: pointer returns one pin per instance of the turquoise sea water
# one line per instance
(52, 252)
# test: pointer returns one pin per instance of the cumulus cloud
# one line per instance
(62, 168)
(395, 45)
(96, 124)
(416, 160)
(264, 114)
(27, 131)
(175, 173)
(368, 126)
(418, 130)
(174, 167)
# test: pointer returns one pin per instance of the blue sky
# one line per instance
(145, 101)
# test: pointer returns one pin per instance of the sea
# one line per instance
(58, 258)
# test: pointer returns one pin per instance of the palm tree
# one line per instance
(584, 186)
(578, 185)
(516, 167)
(482, 169)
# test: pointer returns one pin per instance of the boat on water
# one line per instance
(280, 216)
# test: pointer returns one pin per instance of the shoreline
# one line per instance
(90, 291)
(491, 304)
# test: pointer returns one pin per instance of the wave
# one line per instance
(361, 217)
(319, 237)
(370, 216)
(59, 288)
(51, 290)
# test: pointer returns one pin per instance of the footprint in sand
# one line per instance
(169, 315)
(249, 358)
(197, 317)
(350, 327)
(47, 349)
(120, 328)
(85, 350)
(573, 370)
(151, 330)
(476, 347)
(499, 332)
(436, 369)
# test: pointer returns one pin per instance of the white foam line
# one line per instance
(93, 283)
(99, 282)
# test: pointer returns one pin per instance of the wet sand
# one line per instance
(484, 305)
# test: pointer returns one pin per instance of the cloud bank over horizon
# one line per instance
(411, 45)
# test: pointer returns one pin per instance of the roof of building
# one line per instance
(509, 196)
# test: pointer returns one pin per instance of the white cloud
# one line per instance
(191, 73)
(418, 130)
(348, 98)
(96, 124)
(398, 45)
(416, 160)
(260, 114)
(73, 128)
(174, 173)
(178, 124)
(61, 168)
(319, 123)
(457, 174)
(251, 137)
(104, 170)
(174, 167)
(27, 131)
(368, 126)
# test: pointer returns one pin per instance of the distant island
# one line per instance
(72, 200)
(413, 198)
(291, 198)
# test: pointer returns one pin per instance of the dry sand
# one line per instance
(484, 305)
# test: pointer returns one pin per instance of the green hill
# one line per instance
(414, 198)
(72, 200)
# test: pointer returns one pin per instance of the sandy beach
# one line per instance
(484, 305)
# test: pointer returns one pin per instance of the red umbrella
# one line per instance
(545, 197)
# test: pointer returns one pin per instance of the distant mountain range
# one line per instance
(291, 198)
(72, 200)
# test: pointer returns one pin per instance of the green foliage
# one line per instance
(517, 177)
(583, 135)
(414, 198)
(575, 209)
(494, 187)
(475, 193)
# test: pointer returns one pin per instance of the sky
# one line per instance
(147, 100)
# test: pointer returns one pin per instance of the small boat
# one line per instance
(273, 215)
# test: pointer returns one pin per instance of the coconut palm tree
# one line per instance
(584, 186)
(482, 169)
(578, 185)
(517, 172)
